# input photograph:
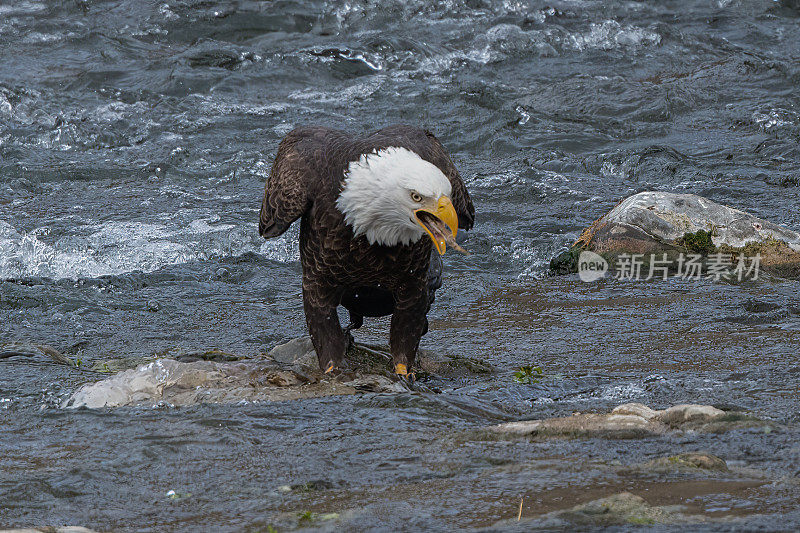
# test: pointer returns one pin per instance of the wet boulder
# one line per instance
(660, 223)
(171, 382)
(299, 351)
(626, 421)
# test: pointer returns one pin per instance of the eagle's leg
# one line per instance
(408, 325)
(327, 336)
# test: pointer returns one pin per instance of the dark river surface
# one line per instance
(135, 139)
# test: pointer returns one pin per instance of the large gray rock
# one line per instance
(289, 372)
(657, 222)
(166, 381)
(666, 217)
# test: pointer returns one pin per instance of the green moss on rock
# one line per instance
(698, 242)
(566, 262)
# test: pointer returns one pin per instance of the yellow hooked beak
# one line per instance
(444, 211)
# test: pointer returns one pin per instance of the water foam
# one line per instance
(509, 39)
(119, 247)
(610, 34)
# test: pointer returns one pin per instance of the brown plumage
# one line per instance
(339, 268)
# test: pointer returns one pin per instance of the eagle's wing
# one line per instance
(294, 176)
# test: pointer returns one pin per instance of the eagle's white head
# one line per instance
(395, 197)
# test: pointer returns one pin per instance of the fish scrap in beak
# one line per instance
(440, 222)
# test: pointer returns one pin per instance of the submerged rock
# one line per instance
(692, 461)
(584, 425)
(15, 349)
(663, 222)
(616, 510)
(633, 420)
(699, 466)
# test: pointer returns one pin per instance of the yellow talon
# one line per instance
(400, 369)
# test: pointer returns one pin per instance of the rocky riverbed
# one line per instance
(653, 486)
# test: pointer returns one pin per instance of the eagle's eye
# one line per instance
(416, 196)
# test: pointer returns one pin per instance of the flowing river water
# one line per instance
(135, 138)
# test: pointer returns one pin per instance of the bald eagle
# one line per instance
(373, 208)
